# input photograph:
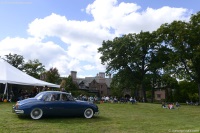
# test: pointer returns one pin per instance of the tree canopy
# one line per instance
(52, 75)
(132, 56)
(34, 68)
(183, 38)
(173, 50)
(15, 60)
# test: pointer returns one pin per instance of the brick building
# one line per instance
(100, 84)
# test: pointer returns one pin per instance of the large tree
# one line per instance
(53, 76)
(120, 83)
(131, 55)
(15, 60)
(34, 68)
(183, 38)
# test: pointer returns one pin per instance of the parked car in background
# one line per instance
(55, 103)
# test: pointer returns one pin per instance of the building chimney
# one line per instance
(73, 75)
(102, 74)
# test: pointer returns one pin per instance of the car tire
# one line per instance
(36, 113)
(88, 113)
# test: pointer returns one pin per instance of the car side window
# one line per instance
(64, 97)
(57, 97)
(52, 97)
(47, 97)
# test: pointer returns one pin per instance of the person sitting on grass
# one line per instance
(171, 106)
(122, 100)
(164, 105)
(177, 104)
(115, 100)
(132, 100)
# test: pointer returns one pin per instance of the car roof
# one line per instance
(61, 92)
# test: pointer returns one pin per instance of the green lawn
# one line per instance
(113, 118)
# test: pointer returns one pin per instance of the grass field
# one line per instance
(113, 118)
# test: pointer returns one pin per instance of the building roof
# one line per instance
(88, 80)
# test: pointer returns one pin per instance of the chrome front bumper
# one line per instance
(17, 111)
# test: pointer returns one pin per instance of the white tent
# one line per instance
(12, 75)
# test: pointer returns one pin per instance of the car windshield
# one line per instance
(39, 96)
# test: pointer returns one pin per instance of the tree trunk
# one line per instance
(153, 91)
(144, 93)
(152, 94)
(199, 91)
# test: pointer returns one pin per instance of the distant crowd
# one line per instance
(24, 94)
(106, 99)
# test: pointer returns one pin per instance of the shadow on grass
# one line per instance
(66, 119)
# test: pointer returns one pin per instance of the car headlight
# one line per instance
(16, 105)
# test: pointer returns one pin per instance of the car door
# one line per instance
(53, 105)
(69, 105)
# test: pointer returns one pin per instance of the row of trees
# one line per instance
(156, 59)
(33, 68)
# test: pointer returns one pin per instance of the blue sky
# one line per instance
(66, 34)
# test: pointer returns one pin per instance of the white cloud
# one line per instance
(49, 53)
(126, 18)
(69, 31)
(88, 67)
(82, 38)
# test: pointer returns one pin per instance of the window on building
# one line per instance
(158, 95)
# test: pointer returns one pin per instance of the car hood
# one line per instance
(29, 100)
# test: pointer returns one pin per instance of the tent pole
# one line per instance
(5, 91)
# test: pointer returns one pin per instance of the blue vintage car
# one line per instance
(54, 103)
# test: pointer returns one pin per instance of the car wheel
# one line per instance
(36, 113)
(88, 113)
